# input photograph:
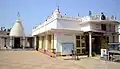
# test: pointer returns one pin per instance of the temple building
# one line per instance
(15, 38)
(83, 35)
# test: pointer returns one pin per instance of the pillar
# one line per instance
(35, 42)
(52, 42)
(11, 44)
(46, 42)
(24, 42)
(43, 42)
(40, 42)
(90, 44)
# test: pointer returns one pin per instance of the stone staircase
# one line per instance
(48, 52)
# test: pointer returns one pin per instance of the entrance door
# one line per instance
(96, 44)
(80, 45)
(17, 43)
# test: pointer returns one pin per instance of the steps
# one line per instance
(47, 52)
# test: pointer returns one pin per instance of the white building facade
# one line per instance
(83, 35)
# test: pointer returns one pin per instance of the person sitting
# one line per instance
(103, 16)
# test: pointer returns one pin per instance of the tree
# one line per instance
(104, 42)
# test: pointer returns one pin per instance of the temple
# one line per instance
(15, 38)
(83, 35)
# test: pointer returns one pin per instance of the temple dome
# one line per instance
(17, 29)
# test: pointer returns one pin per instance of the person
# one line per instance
(6, 47)
(90, 13)
(72, 52)
(103, 16)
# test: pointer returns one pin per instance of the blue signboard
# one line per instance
(114, 46)
(67, 48)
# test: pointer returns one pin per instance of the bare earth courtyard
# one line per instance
(37, 60)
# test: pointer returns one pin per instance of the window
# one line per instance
(78, 43)
(78, 50)
(83, 50)
(77, 37)
(83, 44)
(103, 27)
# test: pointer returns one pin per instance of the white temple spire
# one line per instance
(17, 29)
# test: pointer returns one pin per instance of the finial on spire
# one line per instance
(18, 15)
(58, 9)
(78, 15)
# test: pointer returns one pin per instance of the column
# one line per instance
(52, 44)
(55, 39)
(11, 42)
(46, 42)
(90, 44)
(40, 42)
(35, 42)
(23, 42)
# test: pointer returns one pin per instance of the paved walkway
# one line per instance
(36, 60)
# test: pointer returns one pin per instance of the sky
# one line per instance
(34, 12)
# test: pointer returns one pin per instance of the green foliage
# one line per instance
(104, 42)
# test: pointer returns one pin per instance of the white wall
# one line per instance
(73, 25)
(94, 26)
(62, 38)
(44, 27)
(85, 27)
(68, 24)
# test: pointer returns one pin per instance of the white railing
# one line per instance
(98, 17)
(95, 17)
(70, 18)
